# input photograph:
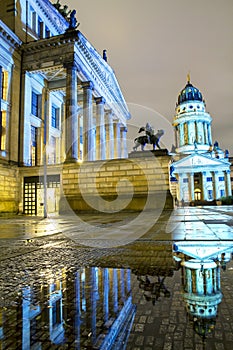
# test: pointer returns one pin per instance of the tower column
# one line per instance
(200, 133)
(199, 282)
(209, 134)
(100, 129)
(71, 113)
(181, 129)
(88, 130)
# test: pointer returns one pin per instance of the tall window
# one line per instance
(33, 146)
(40, 27)
(2, 130)
(3, 80)
(36, 104)
(55, 117)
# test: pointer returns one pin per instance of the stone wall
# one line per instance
(9, 189)
(113, 185)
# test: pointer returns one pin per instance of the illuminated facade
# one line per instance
(200, 169)
(60, 101)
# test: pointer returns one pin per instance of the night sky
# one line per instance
(153, 44)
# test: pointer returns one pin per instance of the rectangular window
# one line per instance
(185, 180)
(209, 179)
(36, 104)
(2, 131)
(210, 194)
(47, 32)
(40, 27)
(3, 84)
(222, 193)
(33, 146)
(33, 21)
(55, 117)
(221, 178)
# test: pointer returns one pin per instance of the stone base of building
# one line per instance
(9, 189)
(133, 184)
(105, 204)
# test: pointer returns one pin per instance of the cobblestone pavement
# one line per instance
(36, 251)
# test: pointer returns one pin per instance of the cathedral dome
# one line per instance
(189, 93)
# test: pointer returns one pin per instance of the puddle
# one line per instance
(116, 308)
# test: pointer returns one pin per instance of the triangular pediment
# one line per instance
(199, 160)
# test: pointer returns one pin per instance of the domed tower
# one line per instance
(191, 122)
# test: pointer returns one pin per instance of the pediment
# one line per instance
(199, 160)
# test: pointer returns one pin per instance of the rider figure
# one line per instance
(149, 129)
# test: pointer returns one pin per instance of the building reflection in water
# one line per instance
(92, 307)
(201, 264)
(89, 308)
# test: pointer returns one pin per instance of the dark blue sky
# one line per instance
(153, 44)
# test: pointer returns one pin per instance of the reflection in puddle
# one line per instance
(98, 308)
(91, 308)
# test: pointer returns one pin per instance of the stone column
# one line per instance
(215, 184)
(100, 129)
(204, 193)
(228, 183)
(109, 134)
(180, 194)
(206, 134)
(177, 136)
(115, 290)
(106, 294)
(88, 130)
(199, 281)
(63, 133)
(200, 133)
(71, 113)
(191, 187)
(128, 281)
(124, 152)
(117, 139)
(181, 129)
(209, 134)
(209, 281)
(188, 280)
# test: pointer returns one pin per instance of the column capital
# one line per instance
(99, 100)
(108, 111)
(124, 128)
(87, 85)
(71, 64)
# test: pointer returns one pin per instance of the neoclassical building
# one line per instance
(60, 102)
(200, 170)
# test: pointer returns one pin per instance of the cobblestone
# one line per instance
(162, 325)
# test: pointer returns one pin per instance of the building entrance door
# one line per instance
(34, 195)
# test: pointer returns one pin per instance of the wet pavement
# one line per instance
(61, 289)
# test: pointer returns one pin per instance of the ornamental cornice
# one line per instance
(102, 76)
(55, 18)
(9, 36)
(192, 117)
(91, 65)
